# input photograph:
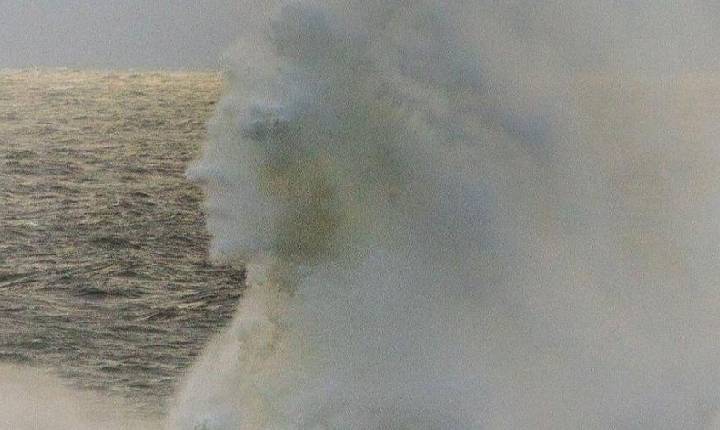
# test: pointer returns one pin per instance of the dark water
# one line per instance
(103, 269)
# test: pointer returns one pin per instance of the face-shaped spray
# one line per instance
(461, 220)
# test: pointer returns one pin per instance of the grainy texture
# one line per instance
(103, 266)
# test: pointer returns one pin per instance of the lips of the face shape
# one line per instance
(215, 185)
(216, 212)
(207, 177)
(220, 224)
(220, 219)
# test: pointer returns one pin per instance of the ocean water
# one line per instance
(458, 215)
(104, 280)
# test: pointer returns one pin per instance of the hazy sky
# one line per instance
(169, 34)
(179, 34)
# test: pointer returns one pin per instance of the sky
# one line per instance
(193, 34)
(143, 34)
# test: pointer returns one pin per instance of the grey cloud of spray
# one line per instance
(465, 216)
(32, 399)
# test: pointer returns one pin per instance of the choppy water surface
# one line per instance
(103, 269)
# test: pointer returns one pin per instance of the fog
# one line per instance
(167, 34)
(474, 214)
(466, 215)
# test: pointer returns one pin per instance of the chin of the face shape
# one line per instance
(226, 252)
(262, 268)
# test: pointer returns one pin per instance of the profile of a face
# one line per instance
(266, 193)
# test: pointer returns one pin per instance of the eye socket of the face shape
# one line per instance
(267, 124)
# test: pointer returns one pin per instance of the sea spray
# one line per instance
(31, 399)
(460, 216)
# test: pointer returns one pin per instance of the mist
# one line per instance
(459, 215)
(32, 398)
(468, 215)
